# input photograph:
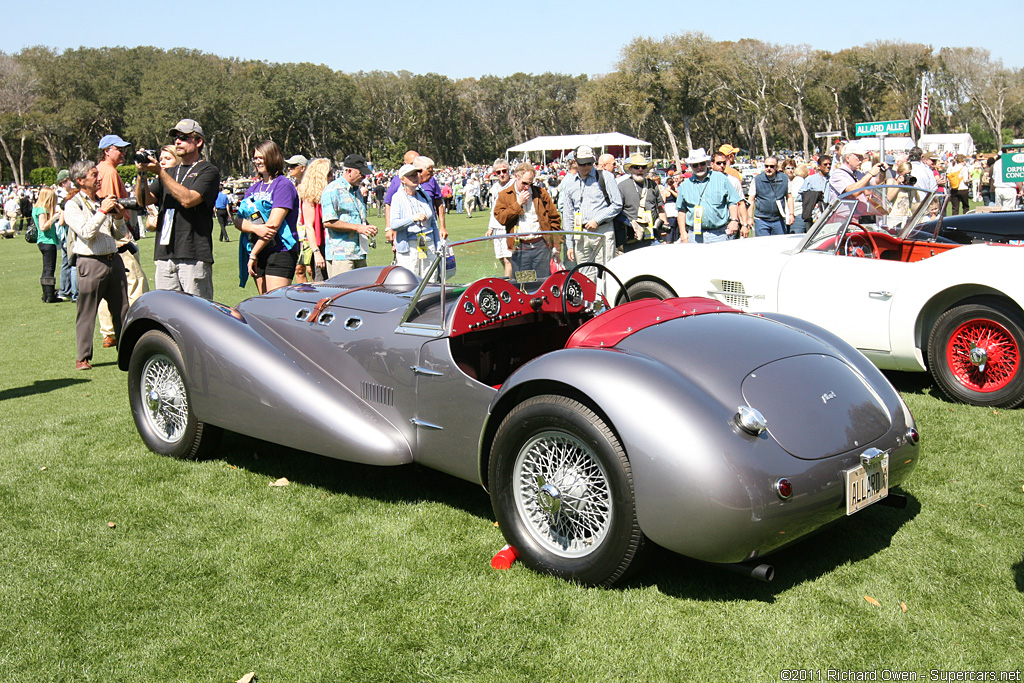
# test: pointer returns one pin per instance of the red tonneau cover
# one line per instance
(608, 329)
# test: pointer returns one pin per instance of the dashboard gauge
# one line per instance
(505, 296)
(469, 308)
(489, 303)
(556, 291)
(574, 293)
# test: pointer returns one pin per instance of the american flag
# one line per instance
(921, 119)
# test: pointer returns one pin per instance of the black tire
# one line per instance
(159, 400)
(974, 333)
(562, 492)
(646, 289)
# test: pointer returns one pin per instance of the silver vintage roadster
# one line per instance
(718, 434)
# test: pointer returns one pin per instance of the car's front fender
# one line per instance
(240, 377)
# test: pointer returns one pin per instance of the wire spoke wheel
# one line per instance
(159, 397)
(164, 397)
(983, 355)
(563, 493)
(974, 353)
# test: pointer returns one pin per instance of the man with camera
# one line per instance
(186, 195)
(112, 154)
(848, 177)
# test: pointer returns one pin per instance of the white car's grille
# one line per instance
(734, 294)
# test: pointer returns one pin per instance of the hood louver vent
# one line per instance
(378, 393)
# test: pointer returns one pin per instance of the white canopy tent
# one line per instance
(559, 145)
(957, 143)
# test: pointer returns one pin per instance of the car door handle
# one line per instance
(881, 294)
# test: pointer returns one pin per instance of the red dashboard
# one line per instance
(492, 301)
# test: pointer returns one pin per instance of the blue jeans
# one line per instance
(459, 199)
(706, 236)
(763, 228)
(68, 276)
(798, 227)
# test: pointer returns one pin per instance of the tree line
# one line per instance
(677, 92)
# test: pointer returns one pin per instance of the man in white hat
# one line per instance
(707, 203)
(295, 166)
(590, 201)
(848, 177)
(642, 204)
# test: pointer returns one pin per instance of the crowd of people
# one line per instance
(299, 222)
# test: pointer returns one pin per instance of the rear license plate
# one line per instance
(866, 484)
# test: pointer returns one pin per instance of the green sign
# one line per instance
(883, 128)
(1013, 167)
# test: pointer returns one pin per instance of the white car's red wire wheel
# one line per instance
(975, 354)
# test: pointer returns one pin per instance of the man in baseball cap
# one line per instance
(296, 165)
(590, 201)
(186, 195)
(187, 127)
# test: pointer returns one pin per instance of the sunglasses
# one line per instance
(503, 171)
(182, 136)
(589, 163)
(769, 166)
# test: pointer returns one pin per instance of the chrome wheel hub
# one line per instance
(979, 357)
(165, 402)
(562, 494)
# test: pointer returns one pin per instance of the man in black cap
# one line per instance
(346, 230)
(186, 195)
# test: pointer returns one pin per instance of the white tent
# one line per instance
(560, 144)
(957, 143)
(892, 145)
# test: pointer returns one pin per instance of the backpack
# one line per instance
(955, 179)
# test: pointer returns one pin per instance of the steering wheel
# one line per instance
(863, 234)
(572, 271)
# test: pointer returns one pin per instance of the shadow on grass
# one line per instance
(407, 483)
(1018, 574)
(40, 387)
(919, 383)
(848, 540)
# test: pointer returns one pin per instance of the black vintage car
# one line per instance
(1006, 227)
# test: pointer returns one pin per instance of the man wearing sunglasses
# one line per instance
(502, 179)
(186, 195)
(708, 203)
(773, 205)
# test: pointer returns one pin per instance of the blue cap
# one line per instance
(113, 141)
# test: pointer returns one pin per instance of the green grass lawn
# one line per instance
(366, 574)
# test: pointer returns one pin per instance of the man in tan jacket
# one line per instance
(523, 207)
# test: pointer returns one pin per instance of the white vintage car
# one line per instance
(908, 299)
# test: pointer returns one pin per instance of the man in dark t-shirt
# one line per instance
(186, 195)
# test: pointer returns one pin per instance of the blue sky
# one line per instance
(461, 39)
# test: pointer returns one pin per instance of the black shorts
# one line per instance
(277, 263)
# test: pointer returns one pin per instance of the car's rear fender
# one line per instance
(682, 445)
(240, 381)
(702, 486)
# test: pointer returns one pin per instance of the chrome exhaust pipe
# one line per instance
(895, 500)
(760, 572)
